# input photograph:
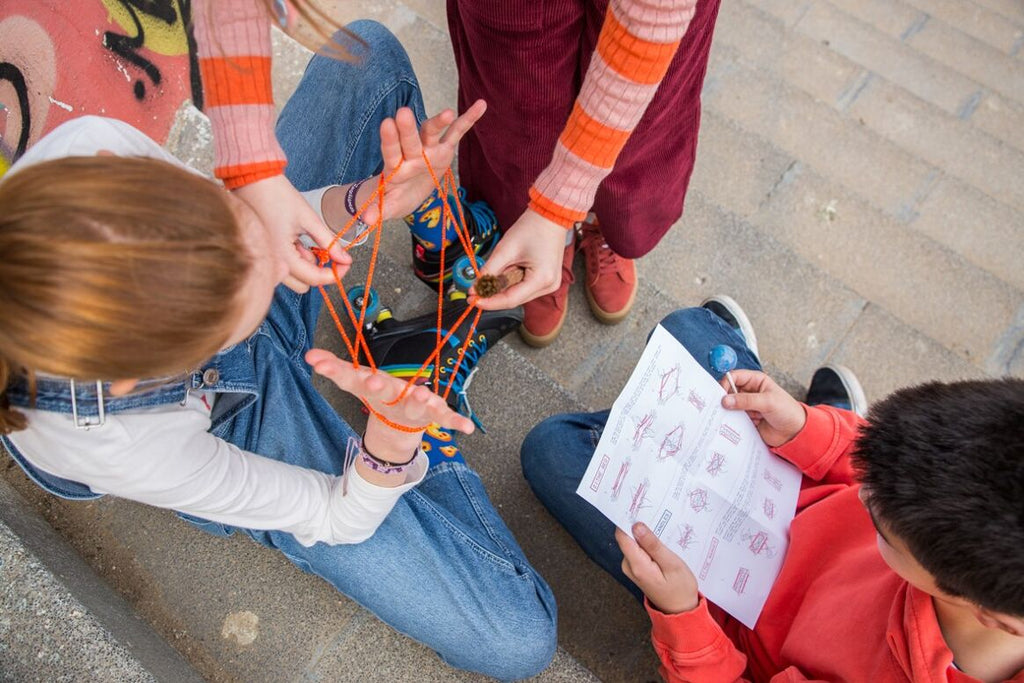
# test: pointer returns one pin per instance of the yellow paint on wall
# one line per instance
(159, 37)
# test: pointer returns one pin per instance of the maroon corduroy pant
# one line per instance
(527, 58)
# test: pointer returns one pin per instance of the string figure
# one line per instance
(699, 500)
(620, 479)
(644, 430)
(357, 345)
(769, 508)
(716, 464)
(639, 501)
(757, 543)
(772, 480)
(671, 444)
(696, 400)
(729, 434)
(686, 536)
(669, 386)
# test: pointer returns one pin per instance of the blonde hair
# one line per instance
(315, 20)
(113, 268)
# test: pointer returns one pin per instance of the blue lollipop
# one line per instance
(723, 359)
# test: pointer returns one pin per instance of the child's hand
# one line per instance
(664, 578)
(778, 416)
(420, 406)
(288, 217)
(402, 143)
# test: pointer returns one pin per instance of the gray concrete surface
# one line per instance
(59, 621)
(858, 190)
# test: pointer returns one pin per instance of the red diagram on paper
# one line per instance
(772, 480)
(644, 430)
(671, 444)
(620, 479)
(699, 500)
(696, 401)
(716, 464)
(686, 537)
(639, 501)
(669, 384)
(758, 544)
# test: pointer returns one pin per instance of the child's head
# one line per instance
(117, 268)
(943, 473)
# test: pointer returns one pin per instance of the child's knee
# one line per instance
(540, 449)
(381, 43)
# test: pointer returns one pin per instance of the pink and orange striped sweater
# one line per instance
(638, 40)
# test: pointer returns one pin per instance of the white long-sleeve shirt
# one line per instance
(165, 455)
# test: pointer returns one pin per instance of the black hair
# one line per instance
(944, 469)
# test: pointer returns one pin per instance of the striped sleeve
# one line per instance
(234, 50)
(638, 40)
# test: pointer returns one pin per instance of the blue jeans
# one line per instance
(443, 568)
(556, 453)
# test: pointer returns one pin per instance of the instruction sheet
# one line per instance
(698, 475)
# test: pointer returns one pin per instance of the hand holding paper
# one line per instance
(777, 415)
(664, 578)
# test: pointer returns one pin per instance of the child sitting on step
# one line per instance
(906, 555)
(147, 351)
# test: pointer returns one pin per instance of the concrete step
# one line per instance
(59, 620)
(846, 235)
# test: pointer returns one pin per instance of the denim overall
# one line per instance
(442, 568)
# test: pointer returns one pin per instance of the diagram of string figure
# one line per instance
(440, 348)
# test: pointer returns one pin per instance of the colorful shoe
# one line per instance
(439, 445)
(611, 279)
(400, 347)
(837, 386)
(544, 316)
(427, 237)
(726, 308)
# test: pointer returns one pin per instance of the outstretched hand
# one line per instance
(663, 577)
(403, 146)
(420, 405)
(777, 415)
(534, 244)
(288, 217)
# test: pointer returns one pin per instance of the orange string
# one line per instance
(358, 345)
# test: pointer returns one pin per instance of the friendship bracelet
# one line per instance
(383, 466)
(350, 196)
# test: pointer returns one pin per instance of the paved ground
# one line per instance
(858, 191)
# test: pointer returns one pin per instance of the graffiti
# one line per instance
(169, 13)
(135, 60)
(12, 75)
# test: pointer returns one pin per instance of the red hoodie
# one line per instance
(836, 613)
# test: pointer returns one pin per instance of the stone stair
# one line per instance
(858, 191)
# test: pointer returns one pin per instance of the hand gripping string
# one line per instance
(358, 344)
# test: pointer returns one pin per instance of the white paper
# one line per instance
(698, 475)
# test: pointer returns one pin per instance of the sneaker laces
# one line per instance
(483, 222)
(602, 260)
(473, 352)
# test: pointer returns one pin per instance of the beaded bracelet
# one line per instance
(383, 466)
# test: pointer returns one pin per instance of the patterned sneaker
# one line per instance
(439, 445)
(400, 347)
(611, 279)
(837, 386)
(726, 308)
(425, 225)
(543, 317)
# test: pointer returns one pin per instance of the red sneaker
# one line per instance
(611, 279)
(543, 317)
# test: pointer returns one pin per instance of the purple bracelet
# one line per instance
(350, 196)
(382, 466)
